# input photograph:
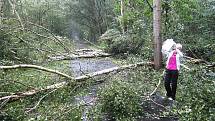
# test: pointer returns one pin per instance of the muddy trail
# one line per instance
(84, 66)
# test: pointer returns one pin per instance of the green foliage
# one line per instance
(190, 23)
(116, 43)
(121, 101)
(123, 97)
(4, 42)
(58, 105)
(90, 18)
(137, 24)
(55, 106)
(49, 14)
(196, 98)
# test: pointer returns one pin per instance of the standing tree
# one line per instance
(156, 32)
(1, 11)
(122, 15)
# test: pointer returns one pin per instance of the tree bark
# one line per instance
(156, 33)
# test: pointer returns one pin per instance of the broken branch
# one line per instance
(36, 67)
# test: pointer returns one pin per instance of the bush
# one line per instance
(116, 43)
(121, 101)
(197, 97)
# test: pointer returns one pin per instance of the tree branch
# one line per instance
(150, 6)
(30, 109)
(36, 67)
(55, 38)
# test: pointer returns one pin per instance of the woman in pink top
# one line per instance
(172, 68)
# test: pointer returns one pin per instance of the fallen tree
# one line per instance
(18, 95)
(83, 53)
(64, 83)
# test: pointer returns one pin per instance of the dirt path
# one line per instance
(83, 66)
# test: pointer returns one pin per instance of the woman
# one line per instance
(172, 70)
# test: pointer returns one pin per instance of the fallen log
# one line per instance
(64, 83)
(79, 55)
(36, 67)
(106, 71)
(18, 95)
(197, 61)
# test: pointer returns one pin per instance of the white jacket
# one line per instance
(179, 55)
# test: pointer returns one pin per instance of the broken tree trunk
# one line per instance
(64, 83)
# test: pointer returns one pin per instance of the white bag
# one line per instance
(167, 45)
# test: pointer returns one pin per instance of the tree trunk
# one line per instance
(1, 11)
(156, 33)
(122, 15)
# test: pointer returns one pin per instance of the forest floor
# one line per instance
(83, 66)
(78, 101)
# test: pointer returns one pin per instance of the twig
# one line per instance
(29, 110)
(159, 82)
(150, 6)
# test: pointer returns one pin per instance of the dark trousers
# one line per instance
(171, 78)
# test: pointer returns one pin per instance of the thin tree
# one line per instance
(122, 16)
(1, 11)
(156, 33)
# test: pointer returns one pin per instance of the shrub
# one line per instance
(196, 97)
(121, 101)
(116, 43)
